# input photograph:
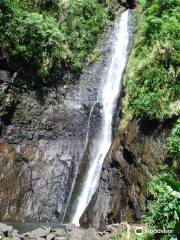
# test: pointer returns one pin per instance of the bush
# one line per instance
(153, 82)
(173, 143)
(94, 56)
(83, 23)
(36, 37)
(164, 210)
(46, 31)
(110, 7)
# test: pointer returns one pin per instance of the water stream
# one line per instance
(108, 98)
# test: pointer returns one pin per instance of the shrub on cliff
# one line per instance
(164, 208)
(153, 92)
(173, 143)
(46, 31)
(83, 22)
(152, 84)
(37, 38)
(110, 7)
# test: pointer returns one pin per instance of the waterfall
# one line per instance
(109, 95)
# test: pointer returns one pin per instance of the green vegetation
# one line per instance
(164, 210)
(131, 236)
(94, 55)
(83, 23)
(35, 36)
(7, 238)
(152, 84)
(153, 92)
(44, 32)
(173, 143)
(110, 6)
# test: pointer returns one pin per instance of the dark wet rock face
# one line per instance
(43, 135)
(129, 165)
(35, 178)
(129, 3)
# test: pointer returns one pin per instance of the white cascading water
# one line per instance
(109, 95)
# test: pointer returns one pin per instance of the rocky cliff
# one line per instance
(135, 155)
(45, 129)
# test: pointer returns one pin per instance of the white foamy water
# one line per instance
(109, 95)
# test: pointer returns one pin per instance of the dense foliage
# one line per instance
(55, 30)
(83, 22)
(164, 209)
(173, 143)
(153, 86)
(153, 92)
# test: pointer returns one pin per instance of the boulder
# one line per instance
(60, 232)
(16, 238)
(76, 234)
(1, 235)
(5, 228)
(61, 238)
(39, 233)
(70, 226)
(4, 76)
(50, 236)
(91, 234)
